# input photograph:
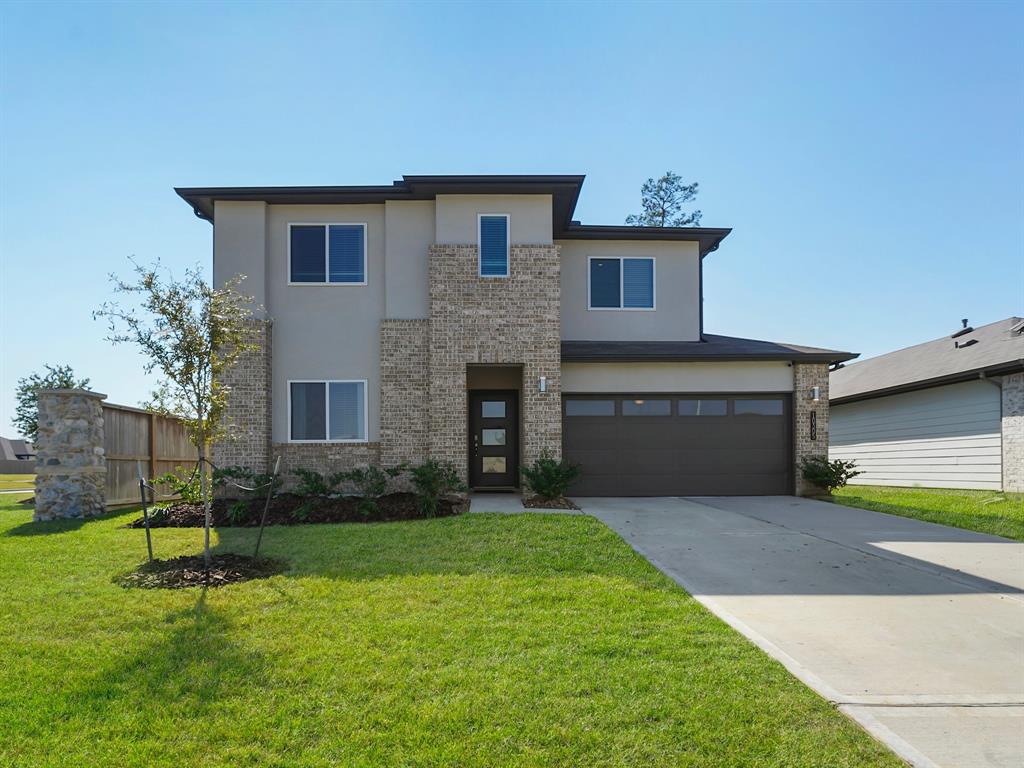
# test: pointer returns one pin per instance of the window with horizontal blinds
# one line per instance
(308, 411)
(605, 292)
(306, 248)
(345, 255)
(346, 410)
(327, 411)
(494, 246)
(638, 283)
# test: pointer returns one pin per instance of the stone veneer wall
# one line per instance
(404, 396)
(498, 321)
(71, 473)
(805, 376)
(248, 416)
(1013, 432)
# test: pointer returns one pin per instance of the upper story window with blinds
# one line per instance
(620, 283)
(494, 241)
(327, 254)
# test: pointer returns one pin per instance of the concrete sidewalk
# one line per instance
(915, 630)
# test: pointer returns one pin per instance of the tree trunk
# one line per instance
(206, 508)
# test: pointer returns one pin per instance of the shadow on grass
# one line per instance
(190, 666)
(64, 525)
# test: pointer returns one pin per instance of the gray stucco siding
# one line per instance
(676, 316)
(529, 218)
(943, 437)
(325, 332)
(240, 246)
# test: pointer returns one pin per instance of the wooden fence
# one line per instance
(132, 435)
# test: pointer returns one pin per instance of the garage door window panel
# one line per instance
(645, 407)
(752, 407)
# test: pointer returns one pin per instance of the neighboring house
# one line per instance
(470, 319)
(17, 456)
(948, 413)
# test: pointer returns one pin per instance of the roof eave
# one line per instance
(999, 369)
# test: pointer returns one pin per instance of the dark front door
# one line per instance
(493, 439)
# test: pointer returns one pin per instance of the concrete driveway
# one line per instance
(914, 630)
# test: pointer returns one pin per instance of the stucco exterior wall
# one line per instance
(240, 246)
(408, 233)
(677, 377)
(325, 331)
(529, 218)
(676, 316)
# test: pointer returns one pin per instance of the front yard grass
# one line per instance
(1001, 514)
(479, 640)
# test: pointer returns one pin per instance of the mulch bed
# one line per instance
(190, 571)
(289, 509)
(538, 502)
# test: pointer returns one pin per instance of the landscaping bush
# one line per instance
(550, 478)
(178, 483)
(370, 484)
(235, 476)
(433, 480)
(828, 474)
(314, 484)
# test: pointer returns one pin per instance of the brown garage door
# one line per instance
(679, 445)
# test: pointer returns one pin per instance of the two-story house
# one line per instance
(471, 319)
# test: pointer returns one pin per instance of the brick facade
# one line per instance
(325, 458)
(1013, 432)
(806, 376)
(404, 391)
(249, 404)
(497, 321)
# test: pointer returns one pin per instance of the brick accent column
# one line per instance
(71, 473)
(404, 397)
(498, 321)
(806, 376)
(1013, 432)
(248, 414)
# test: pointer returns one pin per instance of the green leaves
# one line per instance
(663, 201)
(26, 412)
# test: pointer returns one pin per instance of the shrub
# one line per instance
(550, 478)
(178, 484)
(432, 480)
(828, 474)
(314, 484)
(235, 476)
(370, 483)
(238, 512)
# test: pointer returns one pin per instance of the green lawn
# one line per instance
(480, 640)
(1001, 514)
(14, 482)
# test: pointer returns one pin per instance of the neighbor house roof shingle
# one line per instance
(987, 350)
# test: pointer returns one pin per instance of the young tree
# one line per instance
(663, 201)
(26, 413)
(192, 333)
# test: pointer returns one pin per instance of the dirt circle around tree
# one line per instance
(190, 571)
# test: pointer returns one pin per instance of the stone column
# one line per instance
(806, 413)
(1013, 433)
(71, 471)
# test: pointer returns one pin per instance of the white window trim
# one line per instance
(480, 247)
(621, 308)
(327, 410)
(327, 252)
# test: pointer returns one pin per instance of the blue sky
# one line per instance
(868, 156)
